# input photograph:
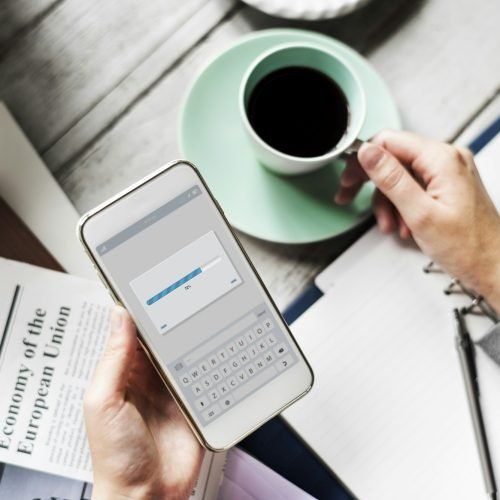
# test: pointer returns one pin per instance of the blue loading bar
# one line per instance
(174, 286)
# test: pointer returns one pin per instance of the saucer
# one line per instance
(270, 207)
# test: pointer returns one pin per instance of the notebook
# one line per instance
(28, 189)
(388, 411)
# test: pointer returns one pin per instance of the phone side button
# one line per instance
(254, 383)
(102, 281)
(110, 293)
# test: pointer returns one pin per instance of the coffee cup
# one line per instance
(302, 107)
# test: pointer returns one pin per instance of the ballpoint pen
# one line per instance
(469, 372)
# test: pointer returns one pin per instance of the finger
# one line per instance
(426, 157)
(145, 376)
(384, 213)
(402, 144)
(393, 180)
(403, 229)
(353, 174)
(345, 195)
(388, 218)
(111, 374)
(351, 181)
(466, 153)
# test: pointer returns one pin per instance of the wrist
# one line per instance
(109, 492)
(490, 288)
(486, 281)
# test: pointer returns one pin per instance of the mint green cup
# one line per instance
(314, 57)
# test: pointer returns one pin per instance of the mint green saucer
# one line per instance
(262, 204)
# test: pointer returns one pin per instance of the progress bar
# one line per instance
(183, 280)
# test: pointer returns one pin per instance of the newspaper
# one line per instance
(53, 327)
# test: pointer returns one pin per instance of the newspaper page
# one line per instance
(52, 329)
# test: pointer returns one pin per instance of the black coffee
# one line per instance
(299, 111)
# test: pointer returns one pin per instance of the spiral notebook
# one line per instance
(388, 411)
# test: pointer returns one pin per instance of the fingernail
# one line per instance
(116, 318)
(370, 155)
(343, 180)
(340, 198)
(383, 225)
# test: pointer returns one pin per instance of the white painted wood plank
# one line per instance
(443, 64)
(17, 14)
(146, 137)
(74, 57)
(144, 76)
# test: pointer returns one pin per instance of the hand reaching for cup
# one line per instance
(141, 445)
(432, 192)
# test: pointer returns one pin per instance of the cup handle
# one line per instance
(353, 148)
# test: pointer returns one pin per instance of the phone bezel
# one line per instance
(198, 430)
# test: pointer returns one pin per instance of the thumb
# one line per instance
(110, 378)
(394, 181)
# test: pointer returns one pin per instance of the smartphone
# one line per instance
(165, 251)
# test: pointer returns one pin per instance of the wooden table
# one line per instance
(97, 85)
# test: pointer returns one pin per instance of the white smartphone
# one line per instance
(165, 251)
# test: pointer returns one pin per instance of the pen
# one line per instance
(469, 372)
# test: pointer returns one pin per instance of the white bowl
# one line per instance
(307, 9)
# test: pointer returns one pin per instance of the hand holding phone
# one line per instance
(166, 252)
(140, 443)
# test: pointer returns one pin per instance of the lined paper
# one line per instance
(388, 411)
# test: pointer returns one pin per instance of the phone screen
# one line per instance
(198, 302)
